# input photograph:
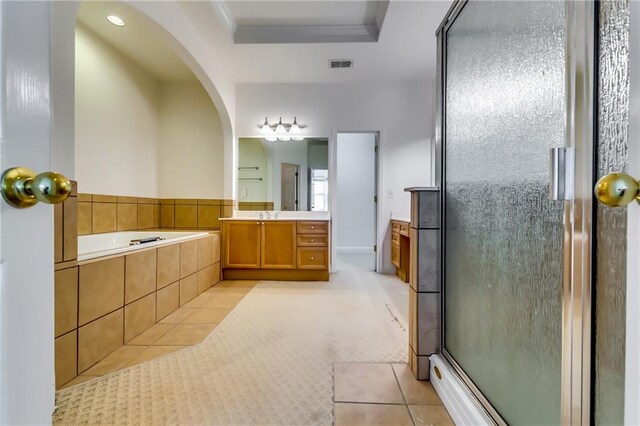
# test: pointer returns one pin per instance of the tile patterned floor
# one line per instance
(384, 394)
(185, 327)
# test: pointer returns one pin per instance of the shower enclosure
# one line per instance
(533, 308)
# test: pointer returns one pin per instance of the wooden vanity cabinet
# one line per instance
(242, 241)
(400, 250)
(278, 245)
(276, 250)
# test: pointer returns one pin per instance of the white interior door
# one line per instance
(26, 239)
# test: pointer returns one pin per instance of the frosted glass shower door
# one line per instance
(504, 108)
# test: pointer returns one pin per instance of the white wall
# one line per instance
(117, 119)
(150, 138)
(355, 189)
(191, 144)
(402, 112)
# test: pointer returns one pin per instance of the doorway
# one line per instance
(356, 195)
(289, 188)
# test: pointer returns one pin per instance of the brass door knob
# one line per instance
(22, 188)
(617, 190)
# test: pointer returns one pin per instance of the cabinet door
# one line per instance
(279, 245)
(241, 244)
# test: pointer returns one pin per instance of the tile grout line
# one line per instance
(402, 393)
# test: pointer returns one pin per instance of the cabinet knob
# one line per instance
(313, 227)
(312, 240)
(311, 257)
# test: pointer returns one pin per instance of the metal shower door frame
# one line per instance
(581, 36)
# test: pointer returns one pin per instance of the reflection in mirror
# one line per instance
(283, 176)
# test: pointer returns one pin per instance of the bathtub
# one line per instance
(99, 245)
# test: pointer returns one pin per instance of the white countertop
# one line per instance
(253, 215)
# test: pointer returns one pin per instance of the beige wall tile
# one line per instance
(209, 202)
(99, 338)
(188, 258)
(146, 216)
(227, 211)
(84, 218)
(168, 300)
(156, 216)
(215, 248)
(127, 200)
(208, 217)
(190, 201)
(139, 316)
(101, 289)
(167, 216)
(188, 288)
(70, 229)
(228, 202)
(205, 279)
(66, 300)
(84, 198)
(215, 273)
(167, 201)
(58, 233)
(98, 198)
(103, 217)
(186, 216)
(204, 252)
(168, 265)
(127, 217)
(66, 358)
(140, 275)
(146, 200)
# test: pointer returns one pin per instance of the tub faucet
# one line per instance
(276, 215)
(267, 214)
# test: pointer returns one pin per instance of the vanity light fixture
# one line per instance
(281, 132)
(295, 132)
(116, 20)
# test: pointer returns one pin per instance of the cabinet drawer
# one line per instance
(313, 227)
(404, 229)
(312, 240)
(395, 227)
(313, 258)
(395, 238)
(395, 255)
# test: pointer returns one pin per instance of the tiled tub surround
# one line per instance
(110, 213)
(106, 302)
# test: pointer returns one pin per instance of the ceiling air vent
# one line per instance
(340, 63)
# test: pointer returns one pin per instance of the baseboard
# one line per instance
(461, 404)
(354, 250)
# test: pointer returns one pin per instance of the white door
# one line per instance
(26, 239)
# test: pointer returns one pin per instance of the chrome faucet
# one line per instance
(267, 214)
(276, 215)
(261, 215)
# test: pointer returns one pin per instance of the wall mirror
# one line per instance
(283, 176)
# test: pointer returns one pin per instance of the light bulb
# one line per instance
(281, 132)
(295, 132)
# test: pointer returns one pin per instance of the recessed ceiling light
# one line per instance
(115, 20)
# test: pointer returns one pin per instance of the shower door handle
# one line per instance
(617, 190)
(562, 172)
